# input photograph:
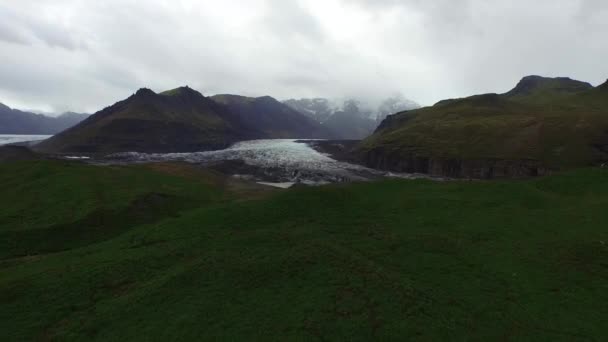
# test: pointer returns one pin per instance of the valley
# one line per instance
(239, 217)
(266, 170)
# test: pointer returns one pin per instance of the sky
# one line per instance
(83, 55)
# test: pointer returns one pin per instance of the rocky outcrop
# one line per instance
(382, 159)
(530, 84)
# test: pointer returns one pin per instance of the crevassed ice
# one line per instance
(264, 153)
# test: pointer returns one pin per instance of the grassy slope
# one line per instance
(549, 124)
(391, 260)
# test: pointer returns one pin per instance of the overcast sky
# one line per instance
(81, 55)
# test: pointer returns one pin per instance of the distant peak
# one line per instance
(267, 99)
(182, 91)
(604, 86)
(145, 92)
(529, 84)
(3, 106)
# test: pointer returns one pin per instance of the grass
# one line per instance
(392, 260)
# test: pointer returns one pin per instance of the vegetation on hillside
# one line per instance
(558, 122)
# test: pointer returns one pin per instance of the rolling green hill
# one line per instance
(169, 252)
(541, 125)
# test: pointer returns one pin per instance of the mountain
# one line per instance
(540, 125)
(268, 118)
(353, 119)
(178, 120)
(14, 121)
(182, 120)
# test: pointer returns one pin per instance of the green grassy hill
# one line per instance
(541, 124)
(169, 252)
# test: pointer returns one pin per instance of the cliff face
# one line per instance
(382, 159)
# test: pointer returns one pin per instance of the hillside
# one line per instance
(541, 125)
(180, 120)
(14, 121)
(271, 119)
(170, 252)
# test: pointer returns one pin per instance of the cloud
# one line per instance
(82, 55)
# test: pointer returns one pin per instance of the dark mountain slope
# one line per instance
(177, 120)
(14, 121)
(541, 124)
(271, 119)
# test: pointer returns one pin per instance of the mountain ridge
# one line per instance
(182, 120)
(14, 121)
(148, 122)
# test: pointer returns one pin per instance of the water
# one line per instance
(19, 138)
(280, 162)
